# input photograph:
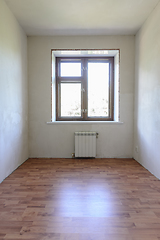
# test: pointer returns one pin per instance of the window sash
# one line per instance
(83, 79)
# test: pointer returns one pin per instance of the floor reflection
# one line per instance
(91, 201)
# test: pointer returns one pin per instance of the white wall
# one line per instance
(13, 93)
(147, 94)
(58, 140)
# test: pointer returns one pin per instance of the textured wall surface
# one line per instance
(147, 94)
(13, 93)
(58, 140)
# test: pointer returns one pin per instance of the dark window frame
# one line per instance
(84, 85)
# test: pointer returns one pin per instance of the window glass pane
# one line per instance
(70, 99)
(70, 69)
(98, 89)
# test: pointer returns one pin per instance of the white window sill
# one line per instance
(84, 122)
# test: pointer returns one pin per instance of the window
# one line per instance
(84, 88)
(85, 85)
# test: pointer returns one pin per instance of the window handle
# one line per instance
(84, 110)
(84, 69)
(83, 90)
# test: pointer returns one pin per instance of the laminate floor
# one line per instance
(80, 199)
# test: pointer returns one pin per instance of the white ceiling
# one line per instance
(81, 17)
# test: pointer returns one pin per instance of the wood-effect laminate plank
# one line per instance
(80, 199)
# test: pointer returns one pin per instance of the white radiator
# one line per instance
(85, 144)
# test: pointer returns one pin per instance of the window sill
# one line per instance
(84, 122)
